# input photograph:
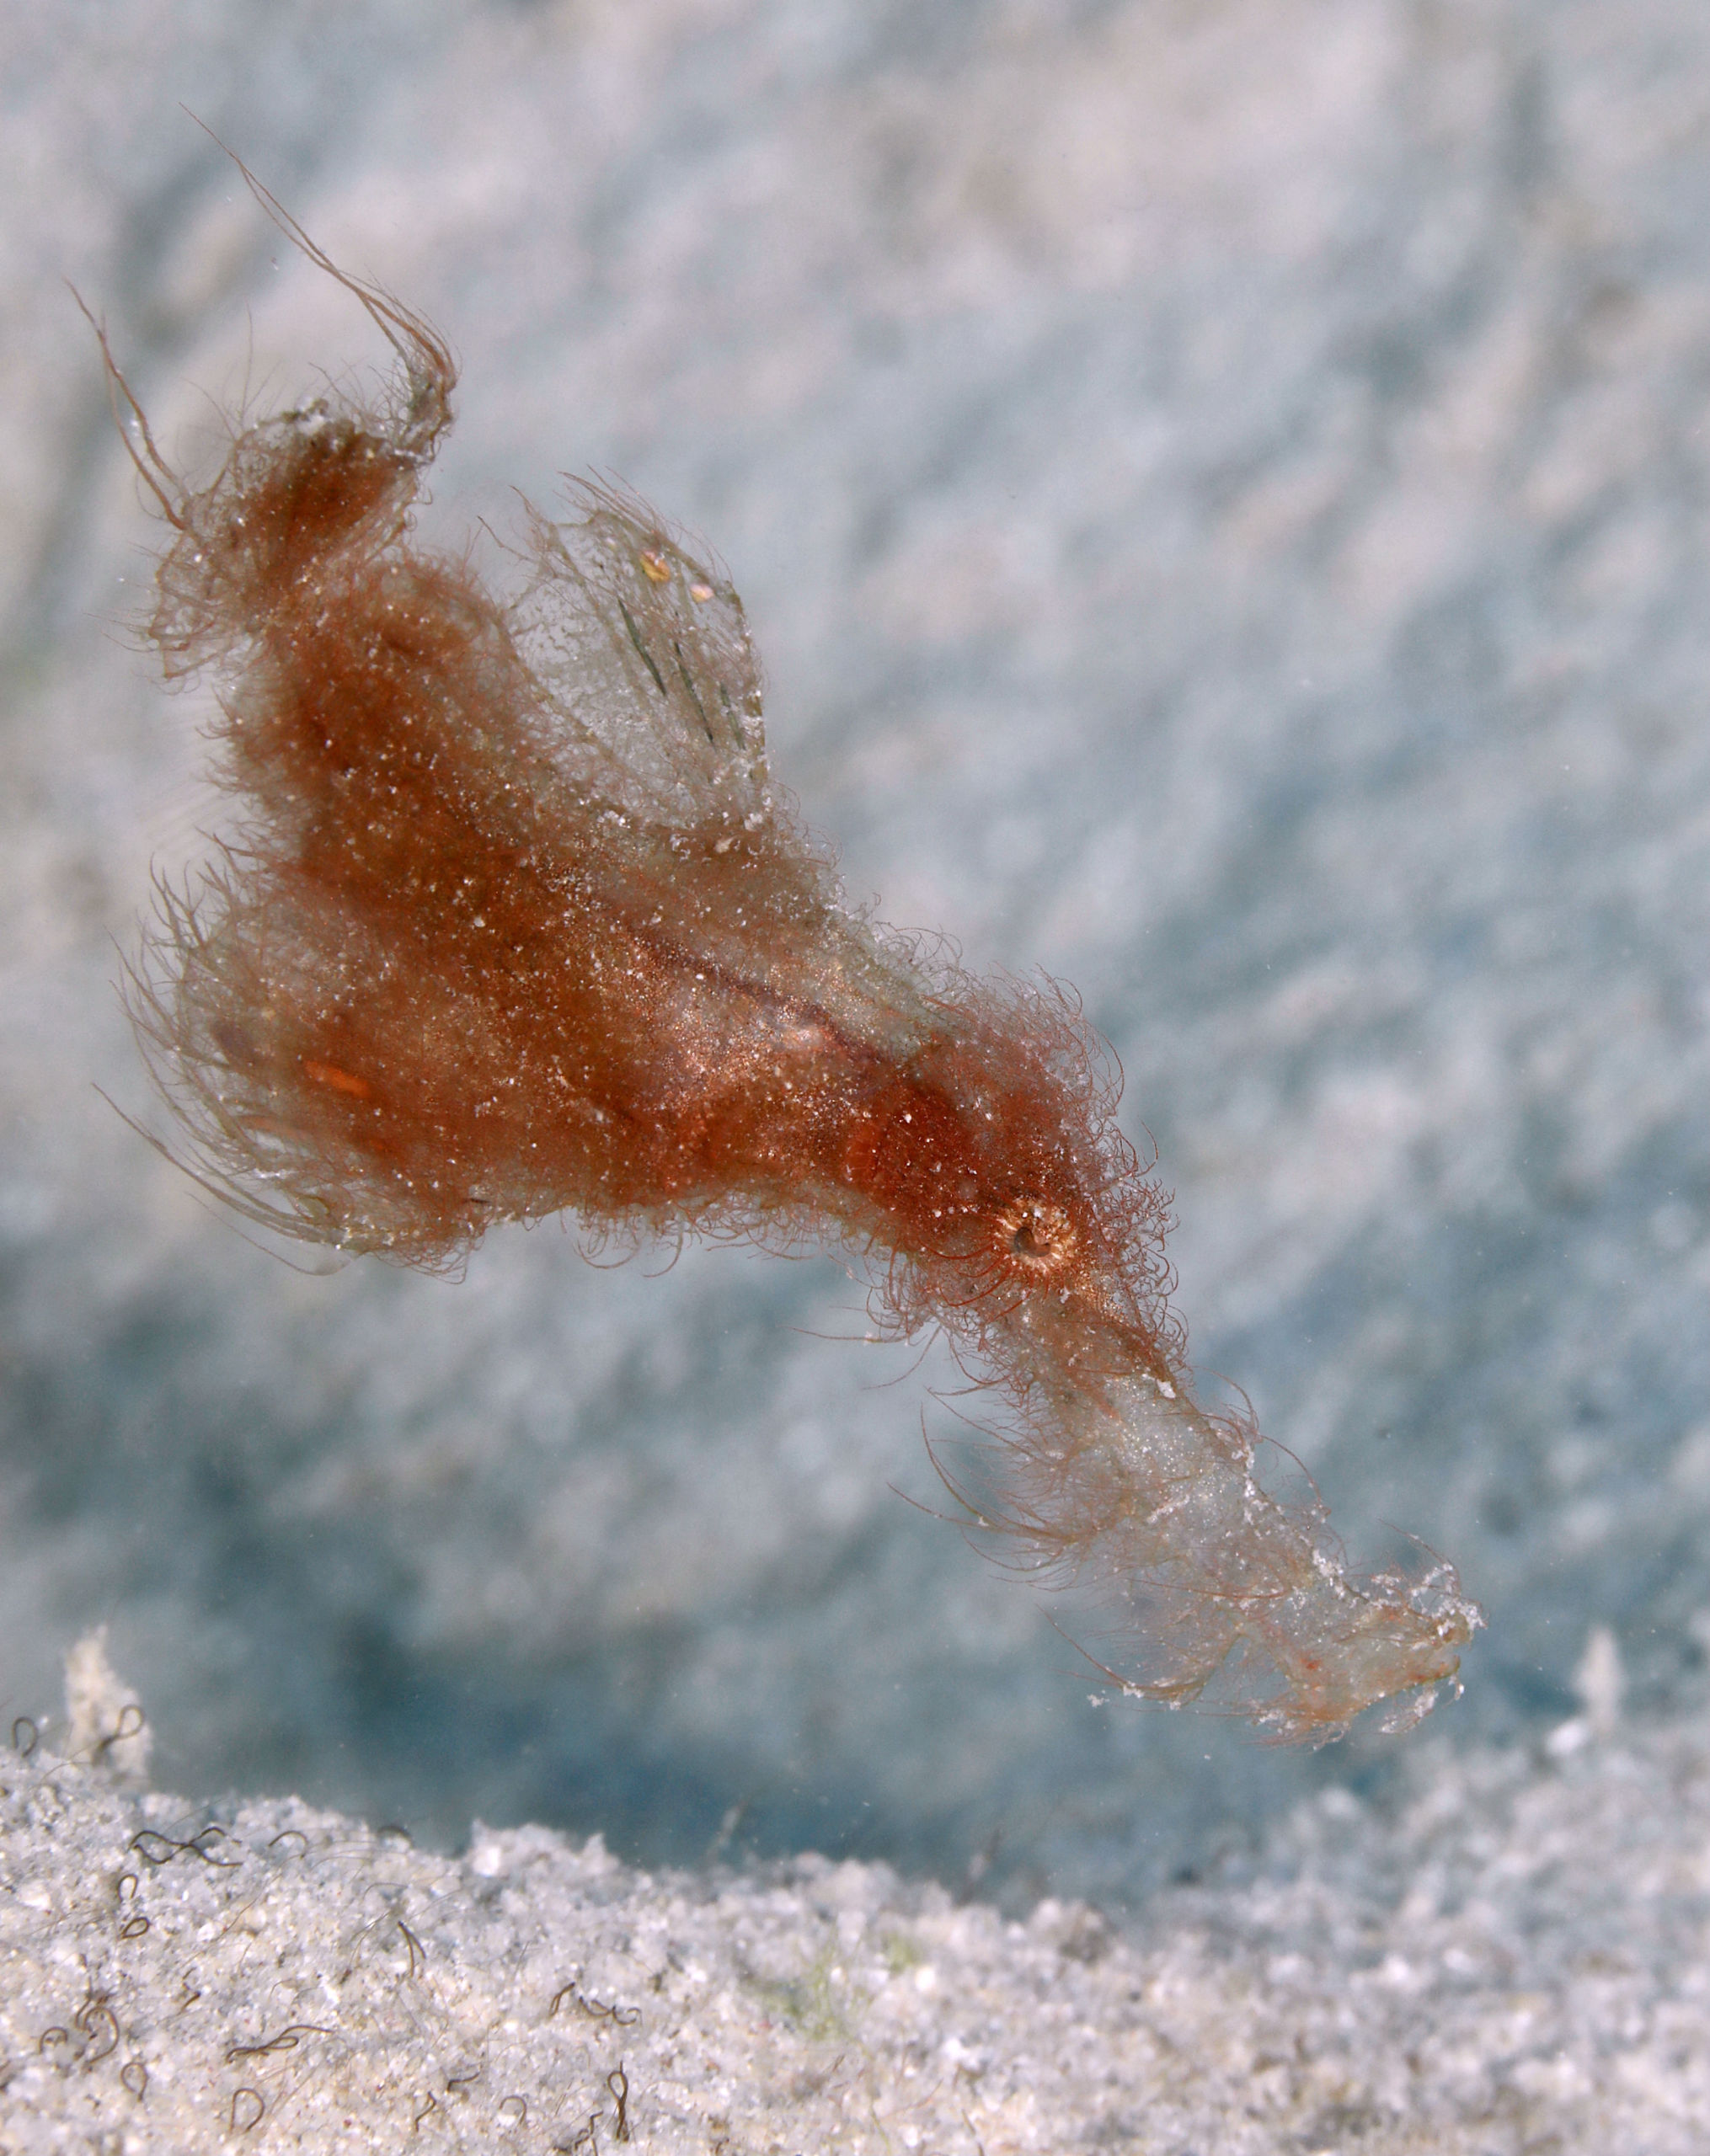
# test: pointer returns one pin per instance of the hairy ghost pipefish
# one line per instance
(519, 923)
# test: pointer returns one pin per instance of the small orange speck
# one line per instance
(340, 1081)
(654, 566)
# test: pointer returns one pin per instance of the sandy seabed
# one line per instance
(1515, 1959)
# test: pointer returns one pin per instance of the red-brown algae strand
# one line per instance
(518, 923)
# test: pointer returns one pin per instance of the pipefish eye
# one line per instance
(1036, 1237)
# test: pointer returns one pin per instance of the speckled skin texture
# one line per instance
(1220, 493)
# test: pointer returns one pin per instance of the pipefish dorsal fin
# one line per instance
(651, 693)
(644, 655)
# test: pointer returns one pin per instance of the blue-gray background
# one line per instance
(1221, 488)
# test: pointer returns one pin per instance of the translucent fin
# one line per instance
(644, 654)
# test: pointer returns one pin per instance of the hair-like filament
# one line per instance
(518, 923)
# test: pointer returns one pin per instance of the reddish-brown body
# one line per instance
(519, 924)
